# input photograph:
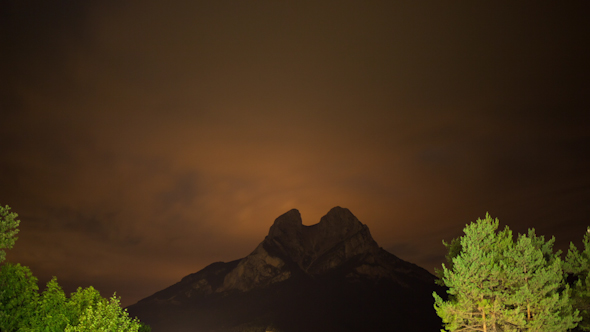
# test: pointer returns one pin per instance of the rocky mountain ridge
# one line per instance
(295, 268)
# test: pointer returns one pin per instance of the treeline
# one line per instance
(24, 309)
(496, 283)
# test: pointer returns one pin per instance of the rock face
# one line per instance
(331, 276)
(338, 236)
(314, 250)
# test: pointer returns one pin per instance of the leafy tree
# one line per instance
(497, 285)
(578, 265)
(51, 314)
(22, 309)
(80, 300)
(144, 327)
(106, 316)
(85, 310)
(8, 230)
(18, 297)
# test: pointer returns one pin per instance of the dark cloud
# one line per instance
(144, 140)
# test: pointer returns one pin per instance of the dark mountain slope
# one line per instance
(331, 276)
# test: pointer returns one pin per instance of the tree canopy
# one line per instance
(496, 284)
(23, 309)
(8, 230)
(18, 297)
(577, 264)
(105, 316)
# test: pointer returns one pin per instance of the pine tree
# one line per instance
(453, 250)
(577, 264)
(475, 281)
(536, 287)
(498, 285)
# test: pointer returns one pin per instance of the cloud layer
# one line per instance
(145, 140)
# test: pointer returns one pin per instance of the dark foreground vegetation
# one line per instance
(23, 308)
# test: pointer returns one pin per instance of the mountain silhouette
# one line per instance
(328, 277)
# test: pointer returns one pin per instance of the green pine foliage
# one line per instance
(498, 285)
(8, 230)
(577, 264)
(453, 250)
(475, 288)
(536, 285)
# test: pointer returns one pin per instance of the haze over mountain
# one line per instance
(331, 276)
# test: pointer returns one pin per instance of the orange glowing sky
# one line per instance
(141, 141)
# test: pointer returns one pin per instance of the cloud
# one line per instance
(159, 138)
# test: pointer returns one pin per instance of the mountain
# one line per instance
(329, 277)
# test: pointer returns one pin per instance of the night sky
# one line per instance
(142, 140)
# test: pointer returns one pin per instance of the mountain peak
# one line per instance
(332, 272)
(338, 210)
(336, 225)
(339, 217)
(288, 223)
(291, 247)
(291, 238)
